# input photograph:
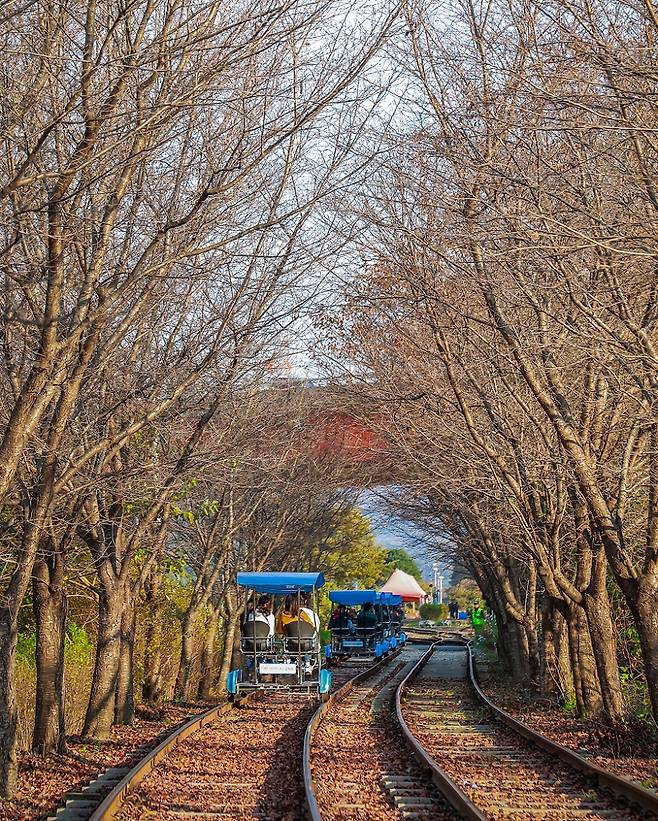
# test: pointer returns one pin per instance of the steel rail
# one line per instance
(459, 800)
(636, 794)
(312, 807)
(113, 802)
(619, 785)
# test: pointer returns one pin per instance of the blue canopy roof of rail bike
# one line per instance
(281, 582)
(390, 599)
(353, 597)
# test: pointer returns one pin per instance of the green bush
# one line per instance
(26, 648)
(434, 612)
(78, 648)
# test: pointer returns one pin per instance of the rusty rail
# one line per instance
(636, 794)
(116, 798)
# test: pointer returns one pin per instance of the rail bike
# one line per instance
(282, 653)
(372, 631)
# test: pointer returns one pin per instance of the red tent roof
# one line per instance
(402, 584)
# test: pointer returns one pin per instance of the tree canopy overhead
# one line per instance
(450, 210)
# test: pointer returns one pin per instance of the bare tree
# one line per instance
(154, 195)
(512, 294)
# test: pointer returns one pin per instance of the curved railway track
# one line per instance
(493, 767)
(239, 766)
(352, 757)
(234, 761)
(473, 761)
(355, 762)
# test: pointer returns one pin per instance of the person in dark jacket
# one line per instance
(367, 616)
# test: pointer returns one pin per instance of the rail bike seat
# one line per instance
(300, 637)
(340, 635)
(258, 633)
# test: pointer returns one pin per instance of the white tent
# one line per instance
(402, 584)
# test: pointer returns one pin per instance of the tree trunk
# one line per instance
(124, 704)
(185, 667)
(530, 622)
(506, 642)
(100, 710)
(207, 677)
(236, 655)
(604, 653)
(518, 649)
(588, 674)
(152, 686)
(548, 677)
(534, 655)
(12, 599)
(647, 622)
(8, 712)
(564, 671)
(572, 633)
(604, 647)
(586, 684)
(229, 645)
(50, 610)
(559, 660)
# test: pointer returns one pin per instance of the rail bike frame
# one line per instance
(280, 663)
(396, 635)
(365, 642)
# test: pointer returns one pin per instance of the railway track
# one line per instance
(491, 767)
(406, 738)
(472, 761)
(356, 765)
(239, 766)
(240, 761)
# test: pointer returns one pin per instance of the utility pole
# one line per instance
(438, 583)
